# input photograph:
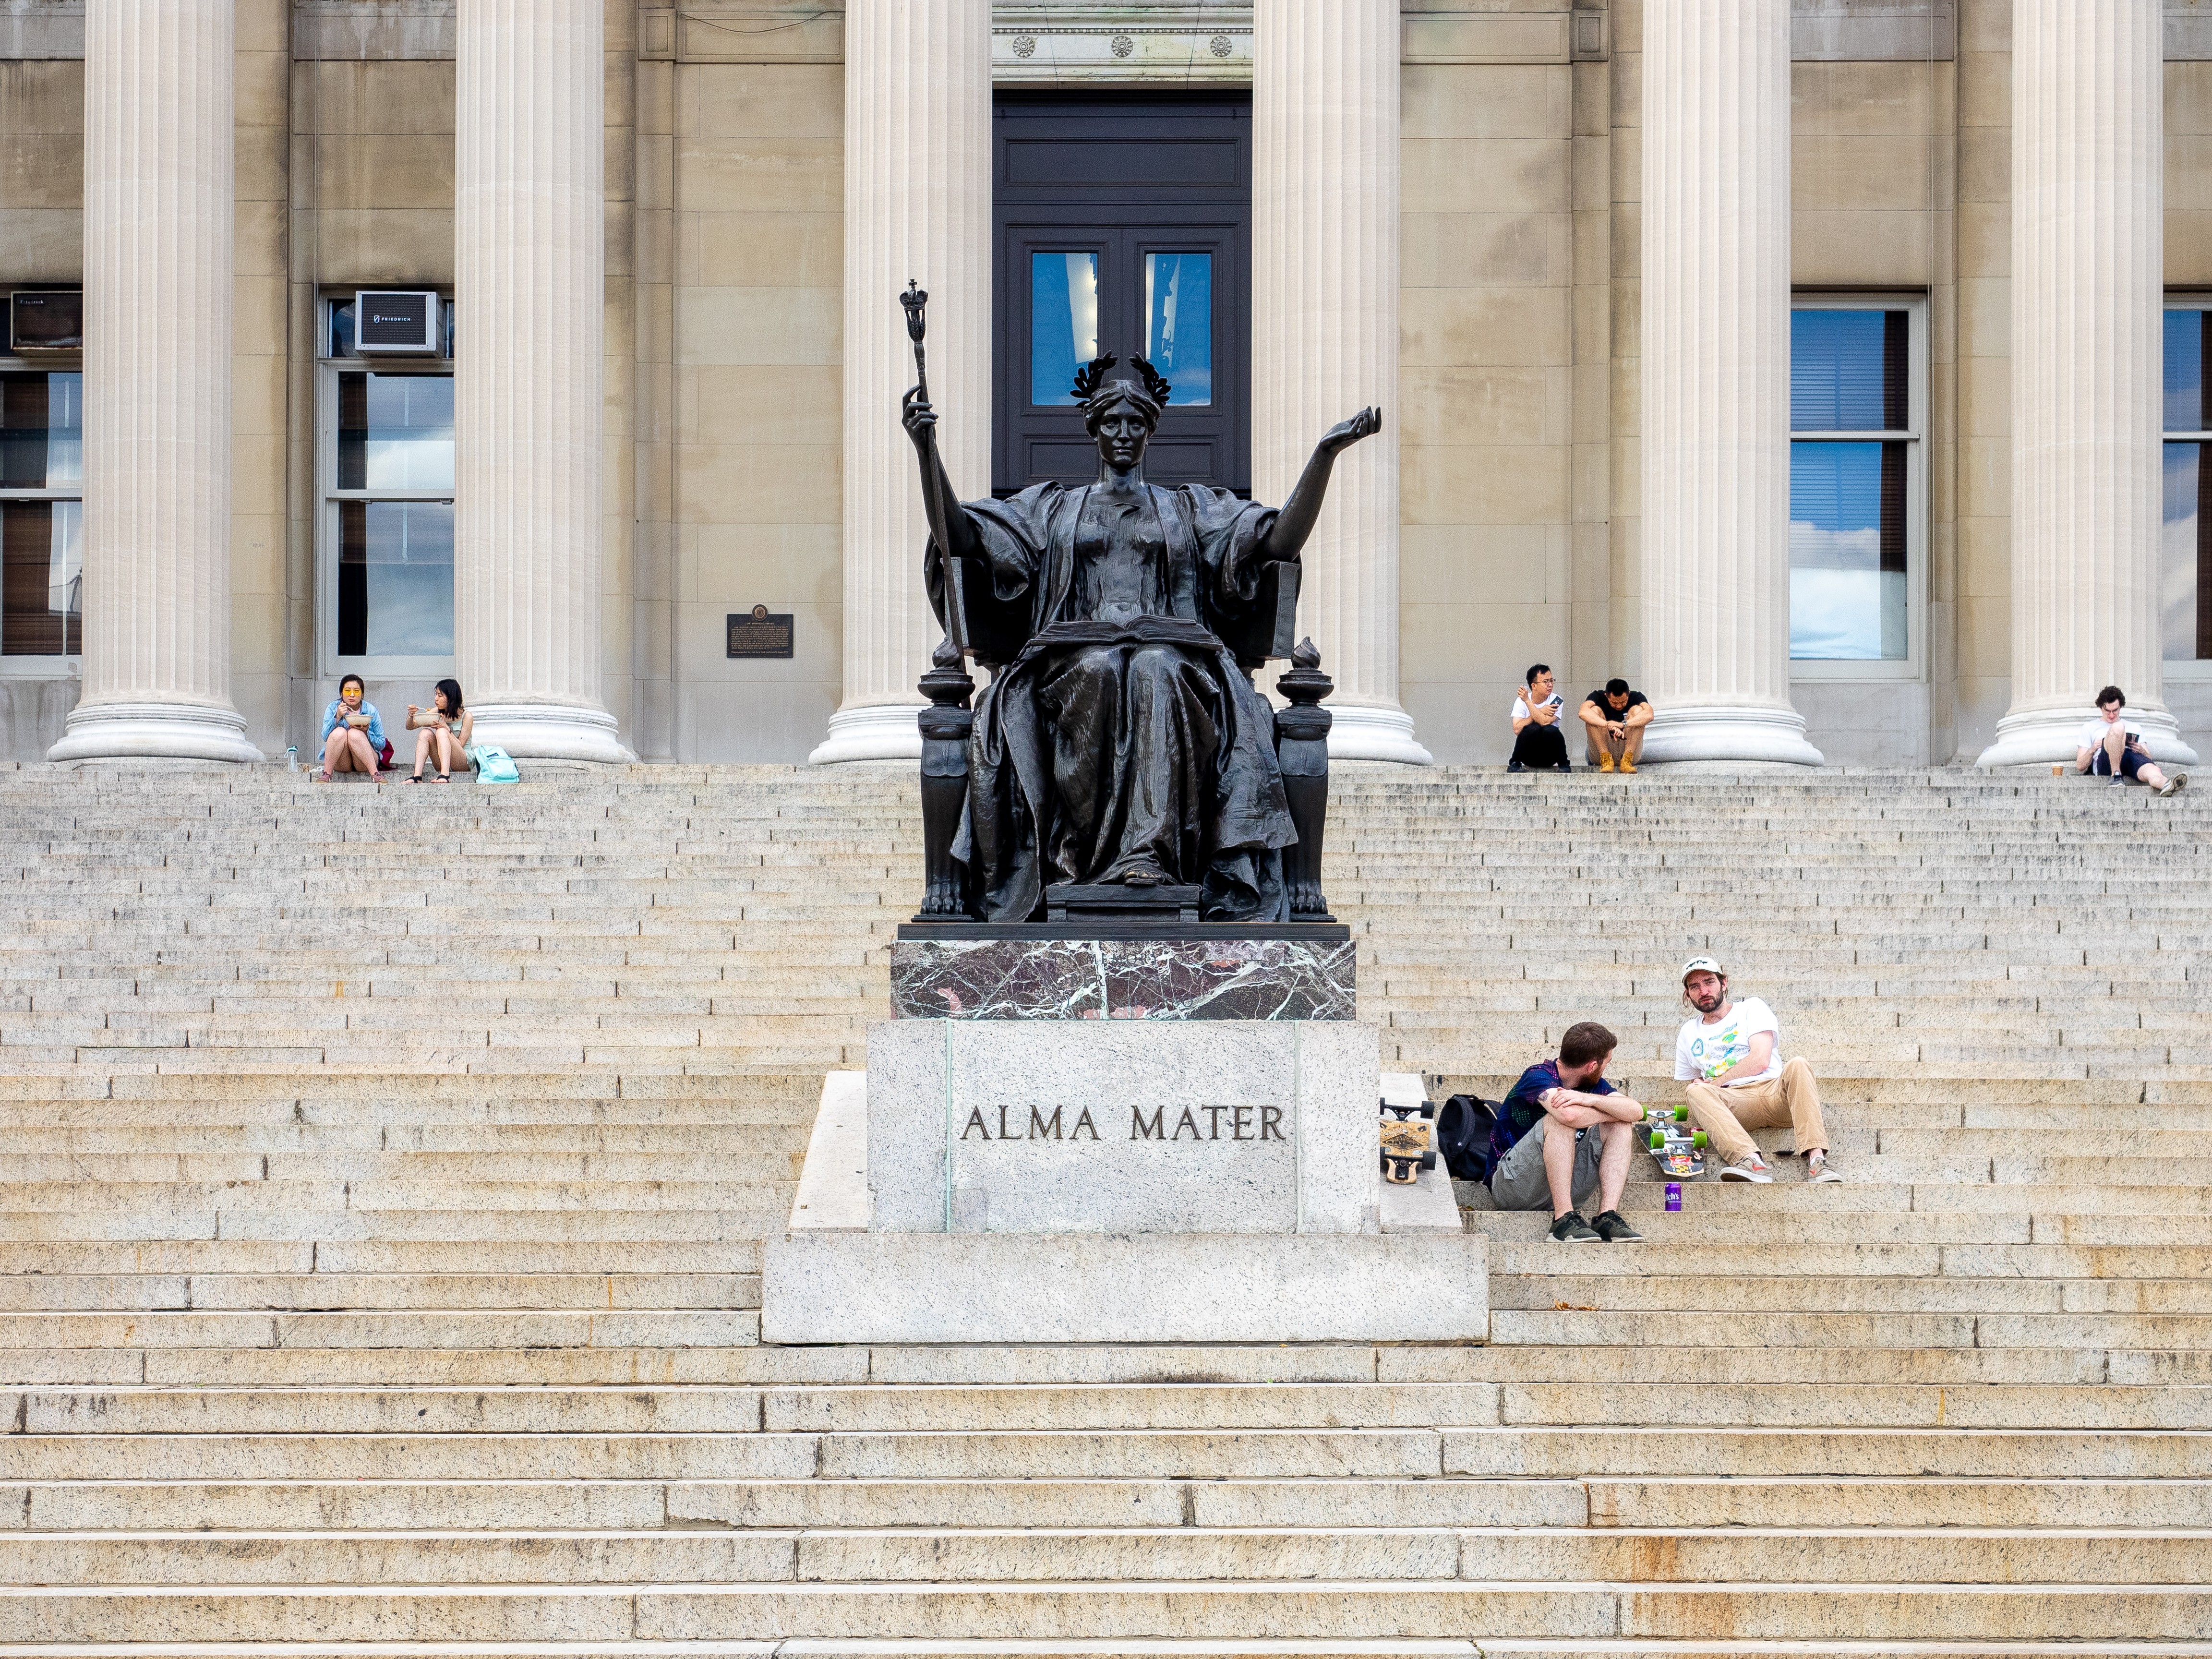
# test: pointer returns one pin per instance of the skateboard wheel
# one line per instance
(1700, 1141)
(1658, 1141)
(1681, 1114)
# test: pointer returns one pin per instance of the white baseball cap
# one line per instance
(1703, 965)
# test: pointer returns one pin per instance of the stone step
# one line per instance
(1578, 1323)
(693, 1410)
(2046, 1454)
(326, 1291)
(1043, 1555)
(1243, 1610)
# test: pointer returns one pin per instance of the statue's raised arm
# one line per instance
(1287, 537)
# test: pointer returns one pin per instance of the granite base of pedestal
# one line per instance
(1001, 1288)
(1405, 1272)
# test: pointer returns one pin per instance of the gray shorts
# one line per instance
(1519, 1182)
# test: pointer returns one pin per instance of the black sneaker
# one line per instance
(1515, 766)
(1572, 1229)
(1612, 1227)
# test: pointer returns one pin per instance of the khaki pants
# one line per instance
(1792, 1098)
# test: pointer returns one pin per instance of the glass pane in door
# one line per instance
(395, 431)
(395, 578)
(1847, 595)
(41, 555)
(1063, 323)
(2184, 617)
(1848, 371)
(1179, 324)
(41, 430)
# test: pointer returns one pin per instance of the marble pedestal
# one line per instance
(1166, 977)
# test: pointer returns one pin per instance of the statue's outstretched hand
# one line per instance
(919, 419)
(1345, 434)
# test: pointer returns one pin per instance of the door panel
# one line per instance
(1123, 227)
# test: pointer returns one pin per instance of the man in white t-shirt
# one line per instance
(1537, 739)
(2109, 749)
(1731, 1053)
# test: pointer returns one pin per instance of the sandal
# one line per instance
(414, 777)
(445, 777)
(323, 777)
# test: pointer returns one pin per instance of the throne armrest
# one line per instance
(996, 629)
(1267, 628)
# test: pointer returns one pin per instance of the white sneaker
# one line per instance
(1752, 1167)
(2180, 781)
(1817, 1174)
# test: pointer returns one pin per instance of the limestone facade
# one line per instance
(747, 224)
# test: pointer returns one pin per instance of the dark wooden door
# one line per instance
(1123, 225)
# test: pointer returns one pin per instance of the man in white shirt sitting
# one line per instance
(1537, 739)
(1731, 1056)
(2109, 749)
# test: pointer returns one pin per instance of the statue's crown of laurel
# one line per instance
(1091, 379)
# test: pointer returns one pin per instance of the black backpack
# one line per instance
(1463, 1128)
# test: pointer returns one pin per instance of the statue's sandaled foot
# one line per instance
(1143, 875)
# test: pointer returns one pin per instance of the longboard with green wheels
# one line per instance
(1677, 1149)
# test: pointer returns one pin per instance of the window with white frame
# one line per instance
(2185, 599)
(41, 511)
(386, 535)
(1857, 398)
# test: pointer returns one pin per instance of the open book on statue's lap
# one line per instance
(1136, 630)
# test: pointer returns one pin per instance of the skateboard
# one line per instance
(1409, 1135)
(1679, 1152)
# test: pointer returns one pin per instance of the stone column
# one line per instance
(159, 206)
(917, 204)
(1716, 364)
(2088, 295)
(529, 266)
(1325, 333)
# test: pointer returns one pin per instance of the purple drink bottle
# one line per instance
(1673, 1196)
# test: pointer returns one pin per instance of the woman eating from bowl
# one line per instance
(353, 731)
(446, 727)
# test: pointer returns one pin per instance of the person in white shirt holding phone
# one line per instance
(1730, 1055)
(1537, 739)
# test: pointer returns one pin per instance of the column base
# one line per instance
(872, 731)
(1376, 732)
(154, 731)
(2043, 737)
(550, 731)
(1731, 732)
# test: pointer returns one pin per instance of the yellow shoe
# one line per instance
(1605, 763)
(1627, 765)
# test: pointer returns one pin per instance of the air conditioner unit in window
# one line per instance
(395, 322)
(46, 319)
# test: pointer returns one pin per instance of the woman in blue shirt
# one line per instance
(353, 731)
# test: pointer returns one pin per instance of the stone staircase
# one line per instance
(385, 1169)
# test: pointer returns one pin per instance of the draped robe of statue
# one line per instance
(1122, 736)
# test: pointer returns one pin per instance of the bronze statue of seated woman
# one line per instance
(1122, 740)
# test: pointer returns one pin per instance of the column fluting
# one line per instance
(917, 205)
(1325, 100)
(159, 215)
(1716, 391)
(529, 264)
(2088, 299)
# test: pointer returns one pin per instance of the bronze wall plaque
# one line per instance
(760, 633)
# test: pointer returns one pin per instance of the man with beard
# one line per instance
(1731, 1056)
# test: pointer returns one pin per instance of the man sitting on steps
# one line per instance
(1731, 1053)
(1564, 1132)
(1616, 717)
